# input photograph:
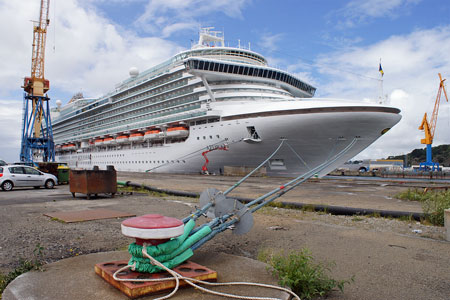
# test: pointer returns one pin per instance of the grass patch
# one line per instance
(374, 215)
(298, 271)
(411, 195)
(129, 189)
(25, 265)
(433, 203)
(308, 207)
(357, 219)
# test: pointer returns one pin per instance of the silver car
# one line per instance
(19, 175)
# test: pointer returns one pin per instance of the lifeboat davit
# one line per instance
(177, 132)
(98, 142)
(152, 134)
(109, 141)
(121, 139)
(137, 137)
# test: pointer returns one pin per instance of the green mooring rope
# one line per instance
(171, 253)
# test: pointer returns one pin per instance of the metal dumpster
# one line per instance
(93, 182)
(49, 167)
(63, 174)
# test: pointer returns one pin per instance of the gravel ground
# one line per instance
(389, 258)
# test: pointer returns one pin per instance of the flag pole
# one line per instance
(381, 97)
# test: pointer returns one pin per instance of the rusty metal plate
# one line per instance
(87, 215)
(135, 289)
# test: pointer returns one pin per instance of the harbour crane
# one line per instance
(430, 127)
(37, 134)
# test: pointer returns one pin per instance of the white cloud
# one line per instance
(90, 53)
(411, 64)
(10, 124)
(169, 16)
(270, 42)
(361, 11)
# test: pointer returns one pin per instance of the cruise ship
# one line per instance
(211, 107)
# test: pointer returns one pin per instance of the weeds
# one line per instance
(298, 271)
(433, 203)
(25, 265)
(129, 189)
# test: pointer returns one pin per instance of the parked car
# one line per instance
(20, 175)
(2, 163)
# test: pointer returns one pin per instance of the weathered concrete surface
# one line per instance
(74, 278)
(388, 259)
(372, 194)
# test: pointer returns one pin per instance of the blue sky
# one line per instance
(334, 45)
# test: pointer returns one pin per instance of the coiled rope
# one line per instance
(194, 282)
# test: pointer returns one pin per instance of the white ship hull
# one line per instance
(312, 135)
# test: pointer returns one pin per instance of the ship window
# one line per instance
(245, 70)
(216, 67)
(269, 74)
(260, 72)
(198, 138)
(278, 76)
(200, 65)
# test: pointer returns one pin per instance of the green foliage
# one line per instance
(434, 206)
(25, 265)
(298, 271)
(433, 203)
(440, 153)
(129, 189)
(411, 194)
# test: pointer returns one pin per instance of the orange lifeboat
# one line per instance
(121, 139)
(98, 142)
(152, 134)
(177, 132)
(109, 141)
(136, 137)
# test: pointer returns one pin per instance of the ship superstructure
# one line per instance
(212, 97)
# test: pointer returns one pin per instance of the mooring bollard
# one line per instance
(447, 223)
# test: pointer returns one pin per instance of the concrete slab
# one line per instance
(87, 215)
(75, 278)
